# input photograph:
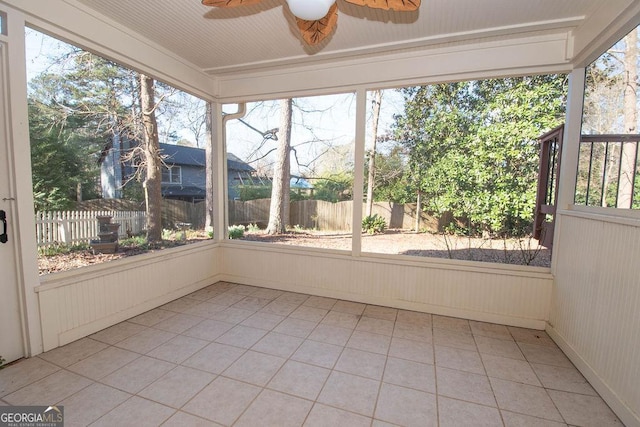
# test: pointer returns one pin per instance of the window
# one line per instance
(3, 23)
(171, 174)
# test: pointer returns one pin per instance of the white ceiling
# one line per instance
(223, 41)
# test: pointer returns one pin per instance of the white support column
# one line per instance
(358, 177)
(220, 171)
(570, 149)
(20, 175)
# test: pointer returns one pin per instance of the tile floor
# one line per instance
(244, 356)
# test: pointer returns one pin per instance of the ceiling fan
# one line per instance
(317, 18)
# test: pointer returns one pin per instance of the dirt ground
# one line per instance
(512, 251)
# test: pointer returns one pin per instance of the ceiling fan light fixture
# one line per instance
(310, 10)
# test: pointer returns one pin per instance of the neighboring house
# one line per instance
(183, 172)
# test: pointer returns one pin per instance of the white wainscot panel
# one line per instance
(518, 296)
(78, 303)
(595, 315)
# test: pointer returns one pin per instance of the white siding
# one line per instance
(595, 313)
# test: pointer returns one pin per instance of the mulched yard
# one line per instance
(511, 251)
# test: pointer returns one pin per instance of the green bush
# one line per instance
(374, 224)
(236, 231)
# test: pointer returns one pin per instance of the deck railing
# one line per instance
(76, 227)
(608, 169)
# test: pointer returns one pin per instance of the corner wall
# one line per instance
(595, 313)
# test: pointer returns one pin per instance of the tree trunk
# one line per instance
(377, 101)
(628, 150)
(153, 176)
(209, 171)
(279, 210)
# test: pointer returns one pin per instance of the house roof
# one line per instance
(191, 156)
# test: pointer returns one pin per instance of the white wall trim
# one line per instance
(623, 411)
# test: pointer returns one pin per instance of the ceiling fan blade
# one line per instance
(229, 3)
(313, 32)
(399, 5)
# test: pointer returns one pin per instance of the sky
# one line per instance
(321, 124)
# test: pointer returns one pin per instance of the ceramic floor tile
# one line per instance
(546, 355)
(300, 379)
(410, 374)
(511, 419)
(499, 347)
(232, 315)
(241, 336)
(252, 304)
(242, 289)
(103, 363)
(524, 399)
(117, 333)
(278, 344)
(379, 312)
(563, 379)
(135, 412)
(375, 325)
(204, 309)
(279, 308)
(465, 386)
(318, 353)
(206, 293)
(490, 330)
(413, 332)
(406, 407)
(510, 369)
(456, 339)
(91, 403)
(177, 386)
(254, 368)
(462, 360)
(231, 398)
(367, 341)
(320, 302)
(263, 321)
(145, 341)
(451, 323)
(414, 318)
(362, 363)
(182, 419)
(455, 413)
(295, 327)
(178, 349)
(272, 408)
(226, 299)
(531, 336)
(180, 305)
(178, 323)
(208, 330)
(350, 392)
(311, 314)
(581, 410)
(340, 319)
(224, 286)
(214, 358)
(269, 294)
(152, 317)
(349, 307)
(49, 390)
(293, 298)
(411, 350)
(138, 374)
(331, 334)
(74, 352)
(326, 416)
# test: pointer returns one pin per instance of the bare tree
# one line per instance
(279, 210)
(376, 102)
(209, 170)
(628, 149)
(152, 159)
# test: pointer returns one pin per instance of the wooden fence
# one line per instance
(75, 227)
